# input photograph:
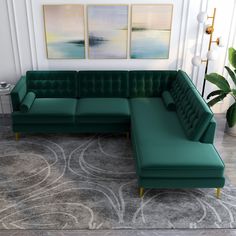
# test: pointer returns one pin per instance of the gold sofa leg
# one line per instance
(17, 136)
(141, 191)
(218, 193)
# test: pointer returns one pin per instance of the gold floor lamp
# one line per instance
(211, 54)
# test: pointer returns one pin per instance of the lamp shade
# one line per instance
(212, 55)
(196, 61)
(202, 17)
(209, 29)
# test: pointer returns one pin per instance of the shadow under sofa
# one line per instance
(172, 128)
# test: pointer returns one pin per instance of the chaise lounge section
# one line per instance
(172, 128)
(171, 148)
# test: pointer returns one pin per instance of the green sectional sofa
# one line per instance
(172, 128)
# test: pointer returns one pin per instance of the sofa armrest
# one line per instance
(18, 93)
(209, 134)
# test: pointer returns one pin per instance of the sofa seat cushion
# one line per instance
(103, 110)
(48, 111)
(162, 148)
(190, 161)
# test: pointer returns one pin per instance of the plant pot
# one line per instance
(230, 130)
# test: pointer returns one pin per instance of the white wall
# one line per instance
(22, 42)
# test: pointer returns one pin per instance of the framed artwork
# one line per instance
(150, 31)
(107, 31)
(64, 31)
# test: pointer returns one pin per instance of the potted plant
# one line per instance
(225, 89)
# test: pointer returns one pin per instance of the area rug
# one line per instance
(89, 182)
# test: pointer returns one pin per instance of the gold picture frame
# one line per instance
(146, 40)
(64, 30)
(105, 44)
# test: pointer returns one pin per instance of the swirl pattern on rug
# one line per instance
(89, 182)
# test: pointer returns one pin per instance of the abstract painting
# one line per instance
(151, 29)
(107, 31)
(64, 31)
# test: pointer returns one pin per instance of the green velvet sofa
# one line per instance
(172, 128)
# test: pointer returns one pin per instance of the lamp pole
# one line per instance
(210, 31)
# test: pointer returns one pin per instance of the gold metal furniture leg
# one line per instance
(17, 135)
(218, 193)
(141, 191)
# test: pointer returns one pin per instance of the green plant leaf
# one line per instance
(231, 73)
(216, 99)
(219, 81)
(231, 115)
(232, 57)
(234, 92)
(214, 93)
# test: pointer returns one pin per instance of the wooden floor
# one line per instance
(225, 144)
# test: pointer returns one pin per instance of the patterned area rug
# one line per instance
(89, 182)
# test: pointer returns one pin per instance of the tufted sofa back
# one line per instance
(182, 82)
(103, 84)
(192, 111)
(150, 83)
(52, 84)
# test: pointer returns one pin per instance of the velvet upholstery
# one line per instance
(77, 128)
(168, 100)
(209, 134)
(52, 84)
(193, 112)
(18, 93)
(173, 183)
(149, 117)
(172, 149)
(48, 111)
(27, 102)
(103, 110)
(150, 83)
(103, 84)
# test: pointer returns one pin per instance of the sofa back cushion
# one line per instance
(192, 111)
(182, 82)
(150, 83)
(52, 84)
(103, 84)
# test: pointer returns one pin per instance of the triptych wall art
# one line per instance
(64, 29)
(106, 31)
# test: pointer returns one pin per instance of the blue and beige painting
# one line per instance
(107, 31)
(64, 26)
(151, 29)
